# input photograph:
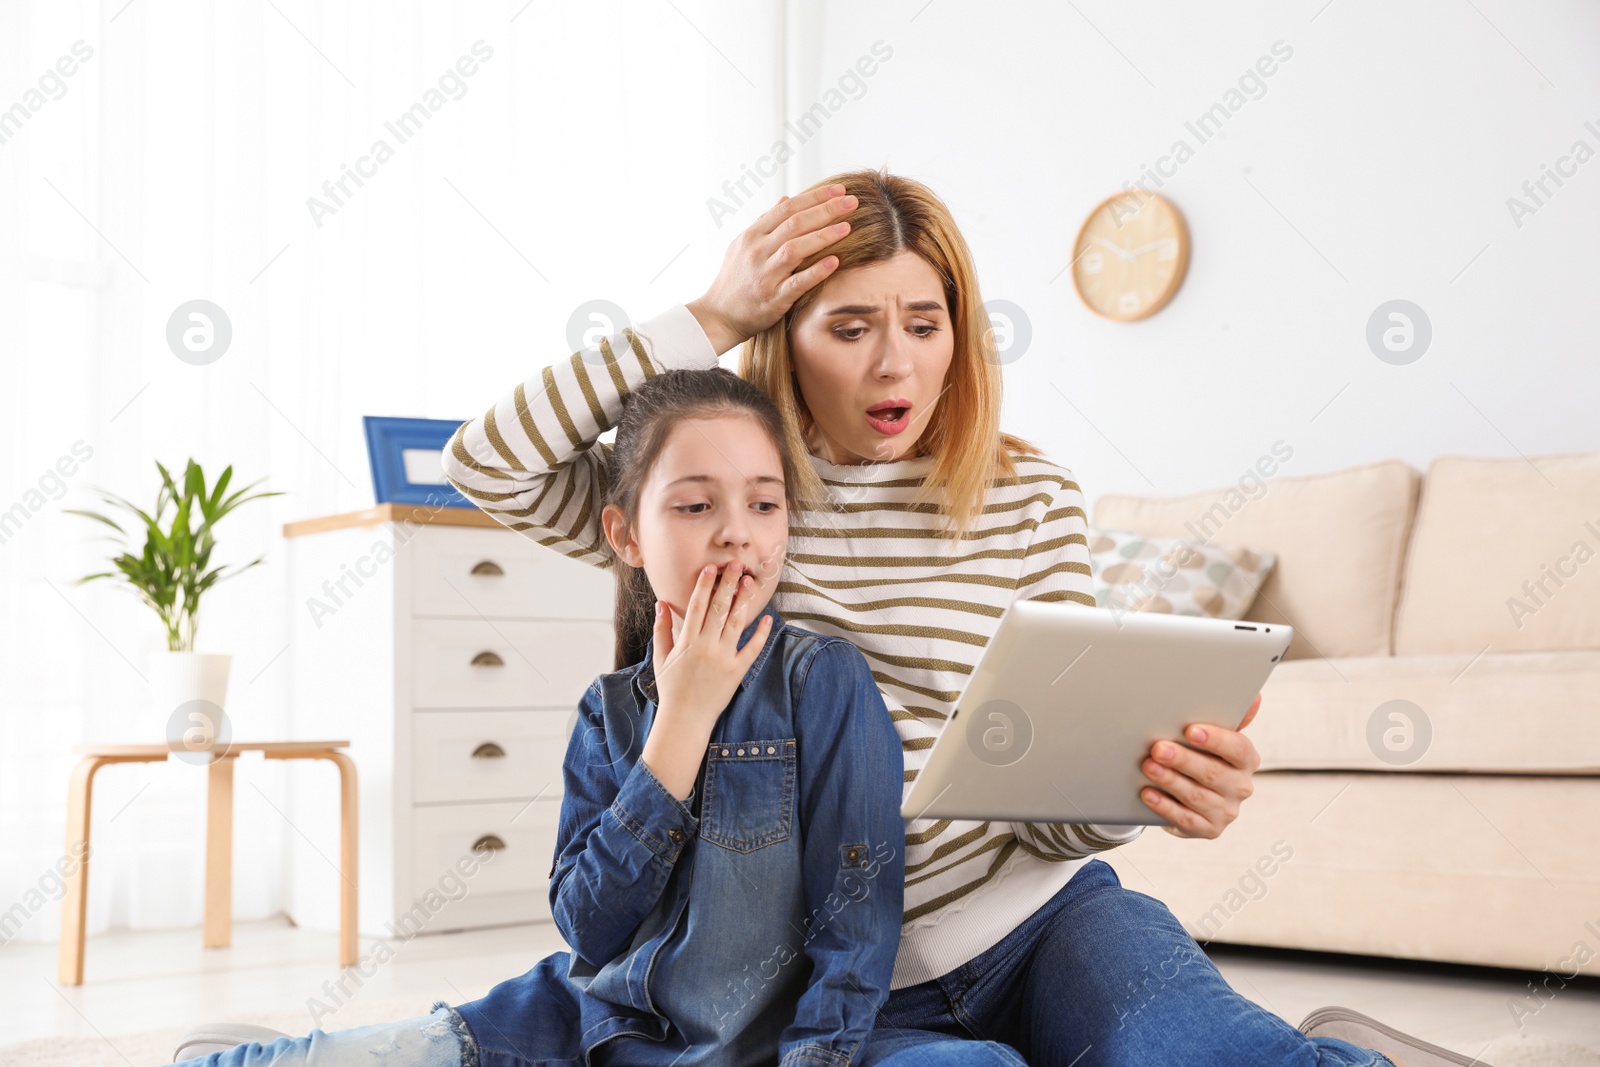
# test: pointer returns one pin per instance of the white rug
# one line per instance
(1524, 1051)
(154, 1047)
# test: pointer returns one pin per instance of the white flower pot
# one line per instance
(188, 695)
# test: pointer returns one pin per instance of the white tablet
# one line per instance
(1063, 707)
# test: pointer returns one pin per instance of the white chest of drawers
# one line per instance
(452, 652)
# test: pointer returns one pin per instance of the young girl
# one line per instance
(728, 870)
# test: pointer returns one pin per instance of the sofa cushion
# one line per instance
(1339, 538)
(1498, 713)
(1504, 555)
(1491, 870)
(1174, 575)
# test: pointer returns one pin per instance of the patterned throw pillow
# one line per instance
(1133, 572)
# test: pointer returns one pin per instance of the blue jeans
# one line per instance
(1099, 976)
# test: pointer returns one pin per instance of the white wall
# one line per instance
(1390, 140)
(579, 164)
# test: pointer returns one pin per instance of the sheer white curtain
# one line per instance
(398, 207)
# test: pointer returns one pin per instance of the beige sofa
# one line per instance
(1462, 824)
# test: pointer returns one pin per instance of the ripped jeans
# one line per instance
(439, 1039)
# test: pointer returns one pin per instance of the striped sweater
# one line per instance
(920, 607)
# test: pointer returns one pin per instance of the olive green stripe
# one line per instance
(581, 372)
(910, 532)
(459, 450)
(1086, 833)
(582, 523)
(614, 368)
(559, 406)
(550, 482)
(1054, 835)
(597, 498)
(929, 834)
(989, 610)
(968, 578)
(1076, 839)
(925, 508)
(1055, 468)
(574, 550)
(525, 419)
(1007, 841)
(1049, 857)
(480, 495)
(955, 844)
(904, 561)
(1056, 596)
(519, 525)
(1066, 511)
(998, 483)
(1041, 547)
(568, 485)
(491, 430)
(602, 473)
(930, 906)
(937, 633)
(917, 873)
(650, 369)
(1064, 567)
(947, 696)
(919, 663)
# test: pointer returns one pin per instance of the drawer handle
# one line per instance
(487, 566)
(488, 659)
(488, 843)
(488, 750)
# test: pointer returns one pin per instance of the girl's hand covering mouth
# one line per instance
(698, 671)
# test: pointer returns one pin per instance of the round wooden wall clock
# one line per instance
(1130, 256)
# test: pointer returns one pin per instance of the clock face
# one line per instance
(1130, 256)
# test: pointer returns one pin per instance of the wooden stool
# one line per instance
(219, 840)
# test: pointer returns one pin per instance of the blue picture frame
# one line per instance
(388, 441)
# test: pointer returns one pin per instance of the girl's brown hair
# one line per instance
(648, 414)
(895, 215)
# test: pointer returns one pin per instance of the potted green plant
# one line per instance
(169, 572)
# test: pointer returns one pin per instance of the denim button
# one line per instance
(677, 835)
(741, 752)
(770, 750)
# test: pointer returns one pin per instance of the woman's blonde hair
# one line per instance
(895, 215)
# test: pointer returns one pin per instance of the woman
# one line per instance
(919, 522)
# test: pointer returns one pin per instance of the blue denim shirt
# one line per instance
(758, 919)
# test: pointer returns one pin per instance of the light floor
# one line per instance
(139, 982)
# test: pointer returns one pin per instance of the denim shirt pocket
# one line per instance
(749, 794)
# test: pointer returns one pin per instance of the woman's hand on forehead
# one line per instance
(757, 284)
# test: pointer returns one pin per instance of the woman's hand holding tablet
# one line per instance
(1198, 792)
